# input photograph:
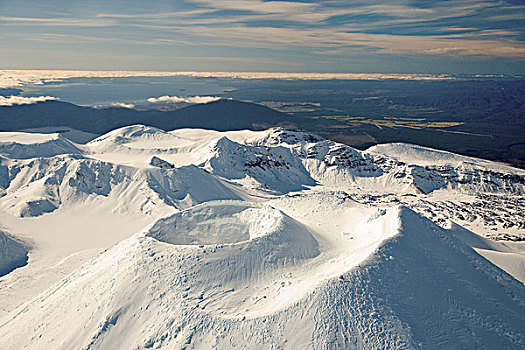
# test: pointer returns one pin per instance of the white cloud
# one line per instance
(331, 41)
(19, 100)
(61, 22)
(123, 105)
(177, 99)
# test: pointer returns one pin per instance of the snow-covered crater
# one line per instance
(218, 222)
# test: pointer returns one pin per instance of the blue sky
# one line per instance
(389, 36)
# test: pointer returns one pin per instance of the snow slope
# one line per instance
(192, 238)
(418, 289)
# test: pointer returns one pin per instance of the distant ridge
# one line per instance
(219, 115)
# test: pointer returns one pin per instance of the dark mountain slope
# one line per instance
(219, 115)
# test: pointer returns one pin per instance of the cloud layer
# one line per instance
(19, 100)
(258, 35)
(19, 78)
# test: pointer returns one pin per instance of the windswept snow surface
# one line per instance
(201, 239)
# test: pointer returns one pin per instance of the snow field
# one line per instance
(278, 239)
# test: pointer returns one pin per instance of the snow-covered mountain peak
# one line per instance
(131, 133)
(259, 164)
(272, 168)
(135, 138)
(280, 136)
